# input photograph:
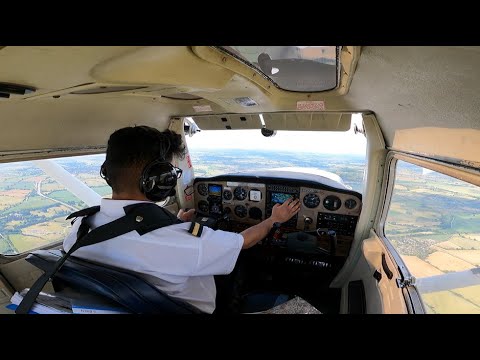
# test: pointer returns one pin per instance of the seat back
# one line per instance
(127, 289)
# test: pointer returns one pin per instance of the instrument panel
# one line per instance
(248, 201)
(252, 202)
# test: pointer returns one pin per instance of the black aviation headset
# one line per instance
(158, 179)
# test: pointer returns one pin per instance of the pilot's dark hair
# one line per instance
(131, 148)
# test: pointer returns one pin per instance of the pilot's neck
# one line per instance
(129, 196)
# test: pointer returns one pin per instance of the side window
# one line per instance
(434, 224)
(33, 205)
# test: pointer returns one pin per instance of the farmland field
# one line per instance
(434, 223)
(434, 220)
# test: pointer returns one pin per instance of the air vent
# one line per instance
(7, 89)
(107, 89)
(182, 96)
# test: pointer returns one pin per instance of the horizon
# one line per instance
(213, 150)
(316, 142)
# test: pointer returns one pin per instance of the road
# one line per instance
(10, 245)
(39, 192)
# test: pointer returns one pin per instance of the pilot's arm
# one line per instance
(219, 250)
(280, 213)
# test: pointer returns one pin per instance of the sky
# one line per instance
(325, 142)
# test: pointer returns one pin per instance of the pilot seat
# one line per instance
(125, 288)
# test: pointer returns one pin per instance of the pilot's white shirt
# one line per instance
(175, 261)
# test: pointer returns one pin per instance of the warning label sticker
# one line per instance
(311, 105)
(202, 108)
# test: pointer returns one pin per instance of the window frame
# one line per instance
(411, 295)
(464, 173)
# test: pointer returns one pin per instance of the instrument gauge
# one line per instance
(350, 204)
(311, 200)
(255, 213)
(202, 189)
(203, 206)
(240, 193)
(240, 211)
(332, 203)
(227, 195)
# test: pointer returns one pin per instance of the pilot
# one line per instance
(176, 260)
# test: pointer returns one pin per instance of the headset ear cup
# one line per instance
(158, 180)
(103, 174)
(148, 185)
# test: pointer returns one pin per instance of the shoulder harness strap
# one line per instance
(84, 212)
(142, 217)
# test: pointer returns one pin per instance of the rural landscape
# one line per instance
(433, 222)
(33, 206)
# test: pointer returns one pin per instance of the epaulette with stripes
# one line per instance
(196, 229)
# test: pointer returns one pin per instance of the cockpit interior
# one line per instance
(393, 231)
(311, 246)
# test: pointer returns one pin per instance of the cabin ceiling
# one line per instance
(84, 93)
(416, 87)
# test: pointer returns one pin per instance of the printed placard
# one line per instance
(202, 108)
(311, 105)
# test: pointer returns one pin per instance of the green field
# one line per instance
(33, 202)
(428, 209)
(24, 243)
(67, 197)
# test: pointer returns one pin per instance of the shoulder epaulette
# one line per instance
(196, 229)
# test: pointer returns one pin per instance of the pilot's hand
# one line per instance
(284, 212)
(186, 215)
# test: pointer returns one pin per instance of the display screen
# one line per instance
(279, 198)
(215, 190)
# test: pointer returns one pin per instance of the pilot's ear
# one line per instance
(103, 173)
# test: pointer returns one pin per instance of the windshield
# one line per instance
(217, 152)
